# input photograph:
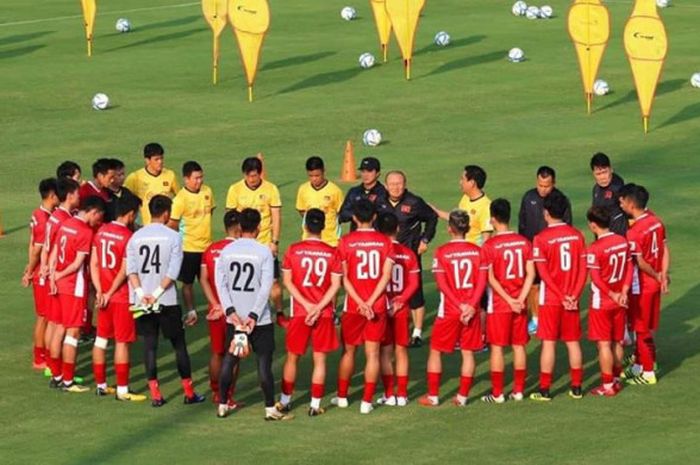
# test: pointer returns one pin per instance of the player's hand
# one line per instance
(396, 306)
(515, 305)
(665, 281)
(215, 312)
(106, 297)
(43, 271)
(191, 318)
(148, 300)
(26, 279)
(250, 325)
(624, 300)
(282, 320)
(53, 289)
(312, 316)
(274, 248)
(422, 248)
(236, 320)
(571, 303)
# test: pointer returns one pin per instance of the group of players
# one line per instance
(118, 245)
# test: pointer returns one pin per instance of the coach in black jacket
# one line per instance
(531, 218)
(370, 189)
(417, 223)
(606, 192)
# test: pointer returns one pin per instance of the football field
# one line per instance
(466, 104)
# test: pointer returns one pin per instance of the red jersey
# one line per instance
(110, 246)
(89, 189)
(209, 258)
(507, 254)
(74, 237)
(364, 252)
(56, 219)
(647, 238)
(460, 273)
(37, 229)
(609, 257)
(559, 252)
(404, 273)
(312, 262)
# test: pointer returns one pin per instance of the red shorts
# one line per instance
(557, 324)
(606, 324)
(448, 331)
(507, 329)
(355, 329)
(217, 336)
(322, 336)
(397, 330)
(53, 303)
(41, 299)
(116, 321)
(647, 312)
(73, 310)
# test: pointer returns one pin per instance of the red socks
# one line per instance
(287, 387)
(606, 378)
(388, 381)
(100, 372)
(187, 386)
(576, 376)
(402, 386)
(617, 371)
(343, 387)
(497, 383)
(465, 384)
(434, 384)
(121, 370)
(68, 372)
(368, 394)
(55, 366)
(647, 351)
(155, 390)
(39, 355)
(519, 380)
(545, 381)
(317, 391)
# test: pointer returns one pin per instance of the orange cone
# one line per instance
(262, 160)
(348, 173)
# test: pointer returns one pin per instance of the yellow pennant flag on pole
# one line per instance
(250, 20)
(89, 13)
(646, 45)
(216, 14)
(404, 16)
(381, 19)
(589, 29)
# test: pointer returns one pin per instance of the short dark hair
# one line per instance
(314, 163)
(158, 205)
(126, 204)
(500, 210)
(364, 210)
(67, 169)
(230, 219)
(477, 174)
(153, 149)
(315, 220)
(600, 216)
(190, 167)
(387, 223)
(546, 172)
(600, 160)
(46, 187)
(556, 204)
(65, 186)
(636, 193)
(459, 221)
(249, 219)
(93, 203)
(251, 164)
(101, 166)
(116, 163)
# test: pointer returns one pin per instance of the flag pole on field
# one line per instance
(383, 23)
(250, 20)
(216, 14)
(89, 13)
(404, 16)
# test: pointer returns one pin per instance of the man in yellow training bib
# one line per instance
(323, 194)
(151, 180)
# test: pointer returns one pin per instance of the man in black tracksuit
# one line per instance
(370, 189)
(606, 192)
(417, 223)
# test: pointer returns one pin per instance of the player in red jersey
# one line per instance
(367, 264)
(103, 172)
(216, 318)
(68, 278)
(32, 276)
(508, 256)
(312, 273)
(67, 193)
(114, 319)
(610, 262)
(403, 285)
(460, 275)
(647, 237)
(559, 252)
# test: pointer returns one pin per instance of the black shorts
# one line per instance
(191, 265)
(418, 299)
(168, 321)
(276, 267)
(261, 340)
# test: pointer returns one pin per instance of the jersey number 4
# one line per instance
(150, 259)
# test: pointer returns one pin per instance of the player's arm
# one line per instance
(665, 265)
(132, 272)
(45, 252)
(206, 288)
(173, 271)
(380, 288)
(545, 276)
(345, 213)
(223, 287)
(178, 209)
(529, 280)
(646, 268)
(430, 219)
(328, 297)
(119, 279)
(73, 267)
(293, 290)
(51, 269)
(300, 206)
(444, 287)
(174, 224)
(349, 288)
(522, 216)
(95, 273)
(276, 217)
(581, 278)
(498, 289)
(411, 287)
(263, 295)
(481, 280)
(441, 214)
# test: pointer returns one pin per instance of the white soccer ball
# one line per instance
(372, 138)
(348, 13)
(601, 88)
(695, 80)
(663, 3)
(100, 101)
(516, 55)
(519, 8)
(532, 12)
(123, 25)
(367, 60)
(546, 12)
(442, 39)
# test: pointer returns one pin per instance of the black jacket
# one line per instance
(531, 218)
(411, 212)
(608, 197)
(377, 195)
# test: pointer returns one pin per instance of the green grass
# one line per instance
(466, 104)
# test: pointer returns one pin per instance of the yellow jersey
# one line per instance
(193, 211)
(263, 198)
(479, 217)
(145, 186)
(329, 199)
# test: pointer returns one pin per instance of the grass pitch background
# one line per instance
(466, 104)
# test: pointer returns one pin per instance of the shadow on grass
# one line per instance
(21, 51)
(23, 37)
(168, 23)
(665, 87)
(160, 38)
(468, 61)
(461, 42)
(297, 60)
(691, 111)
(323, 79)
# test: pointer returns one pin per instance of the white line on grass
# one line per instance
(674, 5)
(62, 18)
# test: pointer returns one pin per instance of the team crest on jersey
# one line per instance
(166, 183)
(405, 209)
(591, 259)
(472, 212)
(262, 197)
(608, 194)
(326, 198)
(536, 251)
(372, 197)
(206, 197)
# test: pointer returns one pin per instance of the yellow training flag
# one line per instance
(404, 16)
(250, 20)
(89, 13)
(646, 45)
(589, 29)
(216, 14)
(381, 19)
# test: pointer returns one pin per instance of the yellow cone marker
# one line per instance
(404, 16)
(250, 20)
(216, 14)
(89, 13)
